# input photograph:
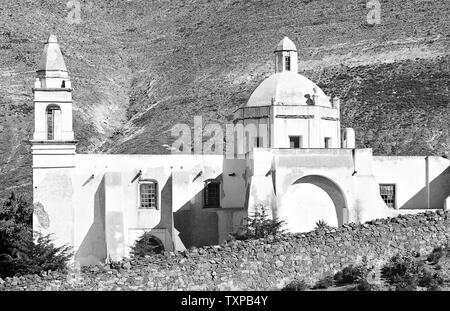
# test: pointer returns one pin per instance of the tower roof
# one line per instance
(286, 44)
(52, 59)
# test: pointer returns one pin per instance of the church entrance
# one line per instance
(311, 199)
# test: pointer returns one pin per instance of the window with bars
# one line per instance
(212, 194)
(387, 193)
(148, 192)
(287, 61)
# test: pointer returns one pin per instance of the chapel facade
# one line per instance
(298, 163)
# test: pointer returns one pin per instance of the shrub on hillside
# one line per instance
(258, 226)
(147, 245)
(364, 286)
(20, 253)
(406, 273)
(353, 273)
(296, 285)
(437, 253)
(324, 283)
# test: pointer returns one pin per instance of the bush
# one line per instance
(324, 282)
(36, 256)
(147, 245)
(353, 274)
(322, 224)
(436, 254)
(402, 271)
(406, 273)
(16, 222)
(20, 253)
(364, 286)
(432, 281)
(296, 285)
(259, 226)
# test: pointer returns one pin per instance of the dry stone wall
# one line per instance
(266, 264)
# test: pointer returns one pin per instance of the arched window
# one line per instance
(148, 194)
(53, 118)
(212, 194)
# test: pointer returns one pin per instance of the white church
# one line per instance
(301, 166)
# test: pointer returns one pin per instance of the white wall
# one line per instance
(409, 176)
(108, 202)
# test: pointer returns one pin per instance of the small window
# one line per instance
(287, 62)
(387, 193)
(148, 193)
(212, 194)
(327, 142)
(295, 142)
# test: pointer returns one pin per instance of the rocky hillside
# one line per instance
(139, 67)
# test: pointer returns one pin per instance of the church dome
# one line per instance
(287, 88)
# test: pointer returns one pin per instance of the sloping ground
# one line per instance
(139, 67)
(265, 264)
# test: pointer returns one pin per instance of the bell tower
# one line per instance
(53, 143)
(286, 56)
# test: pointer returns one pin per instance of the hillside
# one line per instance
(138, 67)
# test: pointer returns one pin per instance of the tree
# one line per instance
(259, 225)
(20, 253)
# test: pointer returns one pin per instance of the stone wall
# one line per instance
(266, 264)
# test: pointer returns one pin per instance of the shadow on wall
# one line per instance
(166, 221)
(439, 191)
(93, 247)
(197, 226)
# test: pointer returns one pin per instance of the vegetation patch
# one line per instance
(22, 253)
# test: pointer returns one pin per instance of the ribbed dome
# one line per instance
(286, 88)
(286, 44)
(52, 59)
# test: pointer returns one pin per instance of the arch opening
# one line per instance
(311, 199)
(147, 244)
(53, 122)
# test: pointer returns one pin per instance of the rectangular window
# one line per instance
(387, 193)
(148, 195)
(327, 142)
(295, 142)
(287, 62)
(212, 194)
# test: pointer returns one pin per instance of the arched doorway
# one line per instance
(310, 199)
(147, 244)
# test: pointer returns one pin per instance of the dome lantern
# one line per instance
(286, 57)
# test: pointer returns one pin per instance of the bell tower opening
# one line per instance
(53, 122)
(286, 56)
(287, 62)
